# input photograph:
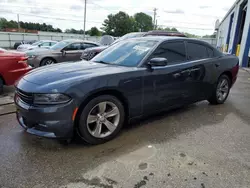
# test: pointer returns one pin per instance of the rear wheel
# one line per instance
(1, 85)
(101, 119)
(47, 61)
(221, 91)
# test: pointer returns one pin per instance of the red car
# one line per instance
(13, 65)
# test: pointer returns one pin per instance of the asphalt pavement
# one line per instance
(199, 146)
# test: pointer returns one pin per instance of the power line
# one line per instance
(65, 19)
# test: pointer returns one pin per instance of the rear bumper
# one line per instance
(12, 76)
(46, 121)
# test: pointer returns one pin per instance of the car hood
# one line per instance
(36, 51)
(24, 46)
(97, 49)
(71, 72)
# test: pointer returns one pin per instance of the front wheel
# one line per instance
(221, 91)
(47, 61)
(101, 119)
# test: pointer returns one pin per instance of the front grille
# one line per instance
(24, 96)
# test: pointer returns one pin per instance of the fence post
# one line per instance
(9, 40)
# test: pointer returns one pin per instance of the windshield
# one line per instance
(2, 50)
(36, 43)
(126, 53)
(60, 45)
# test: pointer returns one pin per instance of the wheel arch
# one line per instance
(229, 74)
(114, 92)
(2, 78)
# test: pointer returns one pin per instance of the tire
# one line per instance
(94, 118)
(1, 85)
(47, 61)
(222, 97)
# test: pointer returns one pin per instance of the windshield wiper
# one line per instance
(103, 62)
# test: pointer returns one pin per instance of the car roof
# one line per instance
(79, 40)
(165, 33)
(47, 41)
(170, 38)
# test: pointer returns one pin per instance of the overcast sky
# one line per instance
(193, 16)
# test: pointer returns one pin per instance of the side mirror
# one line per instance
(158, 61)
(63, 52)
(39, 45)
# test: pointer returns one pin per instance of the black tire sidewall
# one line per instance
(229, 85)
(82, 127)
(45, 60)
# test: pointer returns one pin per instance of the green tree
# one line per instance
(143, 22)
(94, 32)
(119, 24)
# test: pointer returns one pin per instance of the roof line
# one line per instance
(230, 10)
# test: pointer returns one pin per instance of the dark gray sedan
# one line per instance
(66, 50)
(130, 79)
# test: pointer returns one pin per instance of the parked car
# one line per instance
(13, 65)
(130, 79)
(92, 52)
(39, 44)
(23, 42)
(89, 53)
(66, 50)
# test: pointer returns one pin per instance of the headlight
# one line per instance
(55, 98)
(31, 56)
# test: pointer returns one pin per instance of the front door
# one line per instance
(73, 52)
(166, 86)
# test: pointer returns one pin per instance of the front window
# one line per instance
(126, 53)
(37, 43)
(45, 44)
(60, 45)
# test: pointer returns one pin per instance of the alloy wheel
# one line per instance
(222, 89)
(49, 62)
(103, 119)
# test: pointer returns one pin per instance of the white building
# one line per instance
(234, 32)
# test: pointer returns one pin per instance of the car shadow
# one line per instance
(78, 158)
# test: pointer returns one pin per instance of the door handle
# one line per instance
(217, 64)
(176, 75)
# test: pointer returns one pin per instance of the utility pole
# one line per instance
(155, 9)
(18, 24)
(84, 27)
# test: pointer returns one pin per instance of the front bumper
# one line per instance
(34, 62)
(54, 121)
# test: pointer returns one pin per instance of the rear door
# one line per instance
(201, 70)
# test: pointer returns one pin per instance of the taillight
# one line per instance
(22, 59)
(235, 70)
